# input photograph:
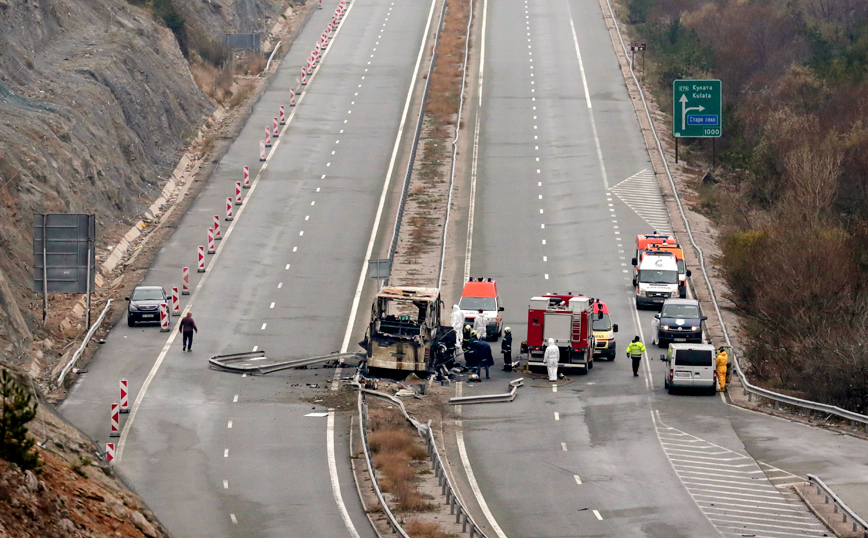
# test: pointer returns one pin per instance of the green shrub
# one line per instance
(17, 409)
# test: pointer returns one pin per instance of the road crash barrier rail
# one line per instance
(749, 389)
(251, 366)
(456, 507)
(849, 515)
(84, 343)
(490, 398)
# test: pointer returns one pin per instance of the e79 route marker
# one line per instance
(696, 109)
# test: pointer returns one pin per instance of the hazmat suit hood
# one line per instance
(551, 341)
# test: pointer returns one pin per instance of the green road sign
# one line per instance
(696, 109)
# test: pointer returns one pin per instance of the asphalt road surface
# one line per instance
(220, 455)
(564, 185)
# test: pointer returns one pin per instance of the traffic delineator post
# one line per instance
(176, 300)
(125, 397)
(201, 266)
(282, 115)
(115, 431)
(261, 150)
(303, 77)
(275, 129)
(218, 235)
(164, 309)
(237, 193)
(319, 6)
(246, 177)
(267, 136)
(211, 248)
(292, 97)
(229, 215)
(185, 278)
(109, 452)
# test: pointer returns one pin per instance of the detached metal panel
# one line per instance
(66, 256)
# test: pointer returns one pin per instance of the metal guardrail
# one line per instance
(455, 147)
(490, 398)
(415, 146)
(845, 511)
(229, 363)
(85, 342)
(748, 387)
(456, 507)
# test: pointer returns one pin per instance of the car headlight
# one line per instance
(695, 328)
(665, 327)
(134, 308)
(643, 293)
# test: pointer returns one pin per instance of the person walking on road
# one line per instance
(480, 325)
(635, 351)
(187, 328)
(506, 349)
(483, 357)
(722, 359)
(550, 358)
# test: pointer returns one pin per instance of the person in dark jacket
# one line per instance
(187, 328)
(506, 349)
(483, 358)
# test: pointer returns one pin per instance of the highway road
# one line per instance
(220, 455)
(564, 185)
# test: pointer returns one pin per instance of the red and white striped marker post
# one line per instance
(201, 263)
(211, 248)
(267, 136)
(246, 183)
(116, 432)
(176, 300)
(292, 97)
(275, 129)
(317, 49)
(229, 215)
(164, 308)
(185, 278)
(283, 114)
(237, 193)
(319, 6)
(261, 150)
(109, 452)
(303, 77)
(125, 397)
(310, 63)
(217, 234)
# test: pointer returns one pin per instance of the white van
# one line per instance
(656, 278)
(690, 366)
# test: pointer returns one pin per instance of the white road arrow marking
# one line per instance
(685, 109)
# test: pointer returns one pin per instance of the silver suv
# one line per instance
(145, 304)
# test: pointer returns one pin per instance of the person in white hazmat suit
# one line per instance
(552, 354)
(480, 325)
(457, 321)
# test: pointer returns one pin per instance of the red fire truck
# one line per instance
(569, 320)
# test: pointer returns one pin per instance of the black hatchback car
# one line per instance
(680, 321)
(145, 304)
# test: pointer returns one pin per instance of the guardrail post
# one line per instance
(777, 405)
(464, 524)
(458, 515)
(472, 531)
(452, 507)
(445, 486)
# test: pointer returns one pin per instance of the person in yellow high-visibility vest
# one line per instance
(635, 351)
(722, 359)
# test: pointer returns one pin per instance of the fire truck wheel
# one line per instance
(591, 365)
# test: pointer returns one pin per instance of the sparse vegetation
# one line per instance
(422, 529)
(17, 408)
(792, 197)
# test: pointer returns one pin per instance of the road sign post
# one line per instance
(696, 109)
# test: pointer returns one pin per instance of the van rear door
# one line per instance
(693, 367)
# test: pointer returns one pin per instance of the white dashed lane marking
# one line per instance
(732, 489)
(641, 193)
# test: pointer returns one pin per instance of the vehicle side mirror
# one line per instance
(501, 309)
(633, 261)
(688, 272)
(615, 328)
(663, 358)
(703, 318)
(126, 298)
(656, 316)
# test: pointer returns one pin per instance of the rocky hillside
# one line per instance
(96, 104)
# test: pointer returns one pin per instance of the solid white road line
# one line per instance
(471, 479)
(333, 474)
(370, 249)
(588, 99)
